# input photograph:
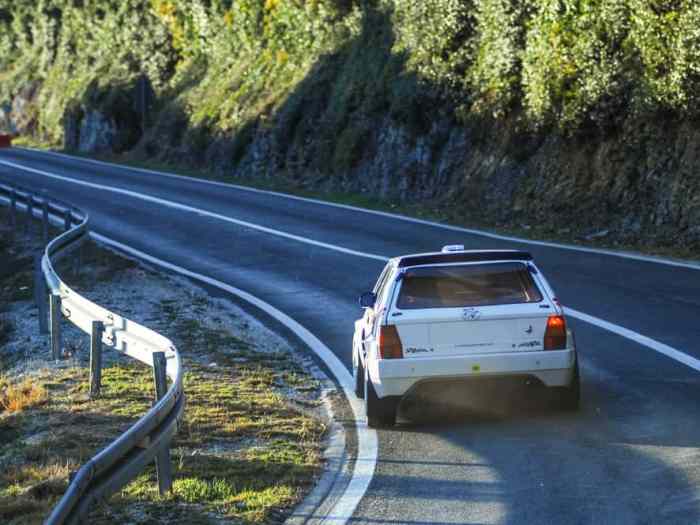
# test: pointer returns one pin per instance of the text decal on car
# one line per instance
(529, 344)
(419, 350)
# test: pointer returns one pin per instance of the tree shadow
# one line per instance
(325, 134)
(522, 455)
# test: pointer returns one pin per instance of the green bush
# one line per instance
(564, 63)
(573, 63)
(495, 74)
(664, 39)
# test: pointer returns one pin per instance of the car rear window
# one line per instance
(467, 285)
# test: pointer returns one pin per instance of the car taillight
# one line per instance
(389, 343)
(555, 335)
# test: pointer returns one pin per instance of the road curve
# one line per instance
(632, 455)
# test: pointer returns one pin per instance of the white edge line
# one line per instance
(624, 332)
(471, 231)
(367, 438)
(643, 340)
(192, 209)
(367, 445)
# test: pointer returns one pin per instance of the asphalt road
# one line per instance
(631, 455)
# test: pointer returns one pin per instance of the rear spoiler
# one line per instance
(467, 256)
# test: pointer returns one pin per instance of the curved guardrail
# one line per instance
(149, 438)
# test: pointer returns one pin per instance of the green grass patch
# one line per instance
(243, 452)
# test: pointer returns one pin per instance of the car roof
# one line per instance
(420, 259)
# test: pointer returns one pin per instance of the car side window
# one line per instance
(382, 280)
(382, 287)
(383, 283)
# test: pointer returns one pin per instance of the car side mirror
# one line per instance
(368, 299)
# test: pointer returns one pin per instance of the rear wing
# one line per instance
(466, 256)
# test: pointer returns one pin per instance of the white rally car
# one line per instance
(459, 314)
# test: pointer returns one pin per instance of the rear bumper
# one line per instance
(395, 377)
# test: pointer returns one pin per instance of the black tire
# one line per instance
(569, 397)
(359, 379)
(380, 412)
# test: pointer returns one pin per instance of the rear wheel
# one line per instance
(380, 412)
(570, 396)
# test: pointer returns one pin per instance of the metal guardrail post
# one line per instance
(163, 466)
(30, 213)
(98, 329)
(55, 313)
(40, 296)
(149, 439)
(45, 220)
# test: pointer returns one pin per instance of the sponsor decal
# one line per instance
(413, 350)
(470, 314)
(530, 344)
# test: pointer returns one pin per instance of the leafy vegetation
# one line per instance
(218, 66)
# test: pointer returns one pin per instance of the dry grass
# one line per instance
(16, 397)
(243, 454)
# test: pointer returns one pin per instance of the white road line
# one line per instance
(191, 209)
(471, 231)
(367, 445)
(366, 437)
(643, 340)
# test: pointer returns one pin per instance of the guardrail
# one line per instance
(149, 438)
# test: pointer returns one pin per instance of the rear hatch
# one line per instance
(451, 310)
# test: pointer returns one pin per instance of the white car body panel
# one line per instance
(446, 344)
(397, 377)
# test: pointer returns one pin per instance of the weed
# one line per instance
(242, 452)
(16, 397)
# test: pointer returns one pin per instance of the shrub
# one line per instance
(573, 62)
(16, 397)
(565, 63)
(495, 74)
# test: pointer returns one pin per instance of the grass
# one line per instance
(48, 428)
(244, 453)
(6, 329)
(16, 397)
(18, 286)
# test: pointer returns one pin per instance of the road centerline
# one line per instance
(367, 439)
(657, 346)
(405, 218)
(195, 210)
